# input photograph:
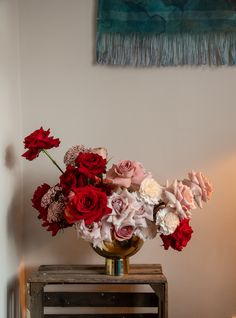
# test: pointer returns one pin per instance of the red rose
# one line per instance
(87, 203)
(91, 164)
(179, 238)
(71, 179)
(37, 141)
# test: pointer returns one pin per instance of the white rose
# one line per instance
(167, 220)
(150, 191)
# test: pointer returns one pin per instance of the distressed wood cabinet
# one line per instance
(154, 303)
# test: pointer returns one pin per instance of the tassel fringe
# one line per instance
(167, 49)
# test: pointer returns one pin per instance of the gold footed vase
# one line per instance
(117, 254)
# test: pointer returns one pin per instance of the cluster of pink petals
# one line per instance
(91, 233)
(56, 211)
(72, 153)
(50, 196)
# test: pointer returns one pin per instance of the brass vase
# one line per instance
(117, 254)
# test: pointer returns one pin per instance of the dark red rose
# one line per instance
(87, 203)
(36, 200)
(91, 164)
(37, 141)
(179, 238)
(71, 179)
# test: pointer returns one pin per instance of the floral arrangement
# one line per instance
(116, 203)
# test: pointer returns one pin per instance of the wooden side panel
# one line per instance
(36, 300)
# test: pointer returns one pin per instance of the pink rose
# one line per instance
(180, 197)
(124, 233)
(127, 173)
(200, 187)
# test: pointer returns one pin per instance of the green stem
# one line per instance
(53, 161)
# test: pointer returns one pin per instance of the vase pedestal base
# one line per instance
(117, 267)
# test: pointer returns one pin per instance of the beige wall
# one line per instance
(171, 119)
(10, 172)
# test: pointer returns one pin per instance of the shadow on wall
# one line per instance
(16, 285)
(14, 215)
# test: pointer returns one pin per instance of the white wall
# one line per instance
(171, 119)
(10, 137)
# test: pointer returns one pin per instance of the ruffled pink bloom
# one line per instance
(200, 187)
(180, 197)
(90, 233)
(127, 173)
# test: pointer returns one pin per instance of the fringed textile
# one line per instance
(166, 32)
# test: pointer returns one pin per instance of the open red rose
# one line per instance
(86, 203)
(37, 141)
(179, 238)
(71, 179)
(91, 164)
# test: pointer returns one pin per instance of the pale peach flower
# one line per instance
(180, 197)
(150, 191)
(200, 187)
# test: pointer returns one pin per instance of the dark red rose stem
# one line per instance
(53, 161)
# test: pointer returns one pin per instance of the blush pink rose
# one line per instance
(124, 233)
(200, 187)
(127, 173)
(179, 197)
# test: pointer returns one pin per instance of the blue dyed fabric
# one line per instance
(166, 16)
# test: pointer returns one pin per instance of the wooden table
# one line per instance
(94, 275)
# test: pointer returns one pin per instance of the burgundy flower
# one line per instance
(37, 141)
(71, 179)
(36, 200)
(179, 238)
(91, 164)
(87, 203)
(55, 227)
